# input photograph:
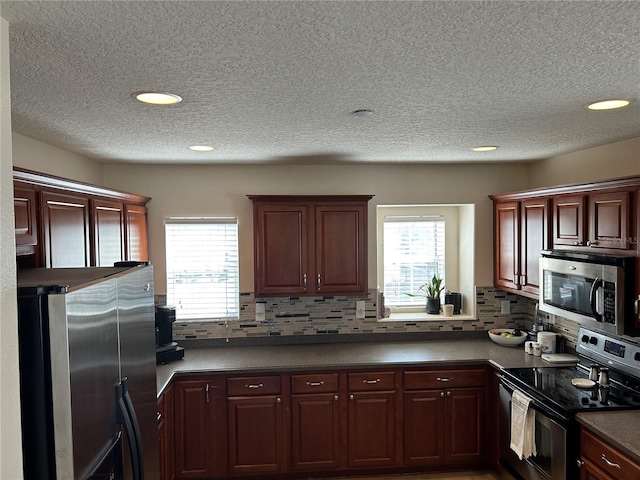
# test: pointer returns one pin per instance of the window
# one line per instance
(202, 267)
(416, 241)
(414, 251)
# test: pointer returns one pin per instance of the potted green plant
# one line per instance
(431, 291)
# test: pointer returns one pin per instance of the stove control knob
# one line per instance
(636, 357)
(593, 340)
(585, 339)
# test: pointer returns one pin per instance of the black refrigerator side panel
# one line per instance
(35, 388)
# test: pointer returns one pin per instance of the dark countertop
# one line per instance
(620, 429)
(344, 355)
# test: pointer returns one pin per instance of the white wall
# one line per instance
(618, 159)
(221, 190)
(10, 437)
(41, 157)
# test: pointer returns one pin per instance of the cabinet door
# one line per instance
(371, 428)
(66, 230)
(534, 237)
(340, 249)
(506, 259)
(136, 233)
(108, 232)
(569, 220)
(465, 433)
(281, 250)
(609, 221)
(256, 434)
(424, 427)
(315, 431)
(195, 427)
(26, 224)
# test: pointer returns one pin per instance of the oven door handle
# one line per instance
(534, 403)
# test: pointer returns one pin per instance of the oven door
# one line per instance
(556, 442)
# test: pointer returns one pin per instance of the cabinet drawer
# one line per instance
(359, 382)
(423, 379)
(607, 458)
(314, 383)
(242, 386)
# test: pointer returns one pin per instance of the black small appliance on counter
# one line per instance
(166, 349)
(454, 299)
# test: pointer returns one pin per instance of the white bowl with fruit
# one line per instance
(507, 337)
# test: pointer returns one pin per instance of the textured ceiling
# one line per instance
(275, 81)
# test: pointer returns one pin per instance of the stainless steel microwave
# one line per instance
(594, 290)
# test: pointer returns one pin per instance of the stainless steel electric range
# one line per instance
(606, 377)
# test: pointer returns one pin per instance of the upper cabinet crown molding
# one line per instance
(626, 183)
(59, 183)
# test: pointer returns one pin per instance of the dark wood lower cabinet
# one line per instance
(372, 429)
(271, 426)
(315, 431)
(199, 428)
(256, 434)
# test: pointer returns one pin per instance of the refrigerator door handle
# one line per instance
(136, 426)
(124, 418)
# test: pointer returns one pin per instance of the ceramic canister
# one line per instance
(547, 341)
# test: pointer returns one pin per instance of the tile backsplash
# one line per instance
(336, 315)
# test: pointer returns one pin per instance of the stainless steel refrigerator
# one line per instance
(87, 373)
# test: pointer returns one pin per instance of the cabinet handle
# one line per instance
(577, 244)
(304, 279)
(377, 380)
(255, 385)
(315, 384)
(609, 462)
(442, 394)
(351, 396)
(580, 463)
(335, 397)
(158, 416)
(278, 400)
(591, 243)
(636, 306)
(444, 379)
(523, 280)
(206, 391)
(448, 393)
(318, 280)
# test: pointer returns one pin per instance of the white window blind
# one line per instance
(202, 267)
(413, 253)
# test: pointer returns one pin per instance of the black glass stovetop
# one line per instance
(552, 386)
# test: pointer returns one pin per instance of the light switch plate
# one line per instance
(360, 309)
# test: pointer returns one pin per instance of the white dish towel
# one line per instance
(523, 426)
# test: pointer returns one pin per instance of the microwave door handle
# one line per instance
(593, 295)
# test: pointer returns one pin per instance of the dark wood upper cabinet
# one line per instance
(109, 232)
(63, 223)
(66, 230)
(521, 232)
(136, 233)
(310, 245)
(26, 222)
(600, 217)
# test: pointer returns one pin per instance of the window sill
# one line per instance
(423, 317)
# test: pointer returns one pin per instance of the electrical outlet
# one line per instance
(260, 312)
(360, 309)
(505, 306)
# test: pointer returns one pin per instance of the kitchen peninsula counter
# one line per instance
(344, 355)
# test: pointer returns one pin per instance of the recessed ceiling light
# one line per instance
(487, 148)
(157, 98)
(362, 113)
(201, 148)
(608, 104)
